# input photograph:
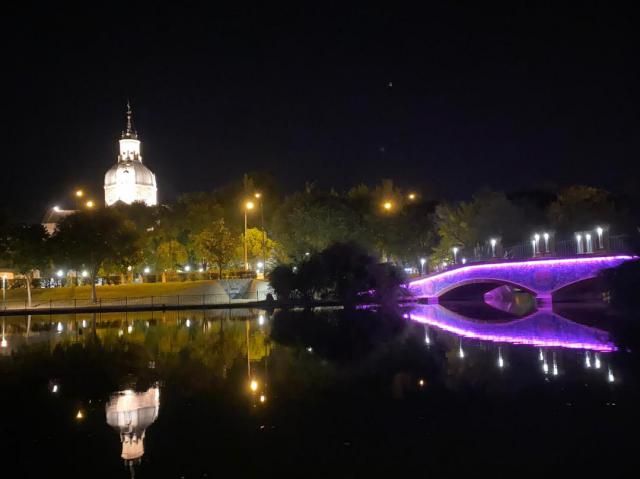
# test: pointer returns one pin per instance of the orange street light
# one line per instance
(79, 193)
(258, 195)
(90, 204)
(412, 196)
(387, 205)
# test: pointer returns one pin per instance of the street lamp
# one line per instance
(536, 237)
(455, 254)
(4, 291)
(387, 205)
(546, 242)
(422, 262)
(79, 193)
(589, 246)
(412, 196)
(493, 247)
(249, 205)
(579, 242)
(599, 230)
(264, 231)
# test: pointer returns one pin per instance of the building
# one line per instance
(129, 180)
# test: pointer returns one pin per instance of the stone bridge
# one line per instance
(540, 277)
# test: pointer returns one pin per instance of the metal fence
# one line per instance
(124, 302)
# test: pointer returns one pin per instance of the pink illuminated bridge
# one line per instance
(540, 277)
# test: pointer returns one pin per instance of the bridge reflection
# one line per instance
(542, 328)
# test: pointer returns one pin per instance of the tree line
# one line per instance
(205, 231)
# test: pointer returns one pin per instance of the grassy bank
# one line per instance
(112, 291)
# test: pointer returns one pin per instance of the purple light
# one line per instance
(542, 277)
(542, 329)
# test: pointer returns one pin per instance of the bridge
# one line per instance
(542, 328)
(540, 277)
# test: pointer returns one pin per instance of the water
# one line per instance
(316, 394)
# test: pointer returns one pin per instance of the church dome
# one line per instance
(129, 180)
(139, 174)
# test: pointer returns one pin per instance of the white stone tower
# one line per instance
(129, 180)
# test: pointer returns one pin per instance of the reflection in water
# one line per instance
(132, 413)
(541, 328)
(301, 380)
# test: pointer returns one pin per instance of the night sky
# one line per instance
(448, 98)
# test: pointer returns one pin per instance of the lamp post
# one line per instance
(455, 254)
(264, 231)
(546, 242)
(536, 237)
(247, 206)
(493, 247)
(422, 262)
(4, 291)
(579, 243)
(588, 244)
(599, 230)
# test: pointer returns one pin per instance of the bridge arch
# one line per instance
(495, 282)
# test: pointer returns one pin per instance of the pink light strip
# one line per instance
(542, 262)
(497, 338)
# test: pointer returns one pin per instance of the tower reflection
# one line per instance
(131, 413)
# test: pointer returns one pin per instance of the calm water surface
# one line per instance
(328, 393)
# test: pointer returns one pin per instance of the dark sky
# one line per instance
(459, 98)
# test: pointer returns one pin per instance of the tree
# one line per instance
(27, 249)
(90, 238)
(580, 208)
(216, 244)
(255, 252)
(169, 255)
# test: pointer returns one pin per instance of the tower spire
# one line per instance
(129, 132)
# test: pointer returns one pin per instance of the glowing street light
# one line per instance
(85, 273)
(412, 196)
(253, 385)
(422, 263)
(56, 208)
(493, 242)
(263, 398)
(536, 246)
(387, 205)
(579, 243)
(589, 246)
(60, 273)
(546, 242)
(455, 250)
(464, 260)
(599, 230)
(187, 268)
(79, 193)
(90, 204)
(147, 270)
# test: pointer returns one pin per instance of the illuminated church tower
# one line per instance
(129, 180)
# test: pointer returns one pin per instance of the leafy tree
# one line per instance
(311, 221)
(579, 208)
(282, 280)
(89, 239)
(169, 255)
(468, 225)
(216, 245)
(255, 239)
(26, 247)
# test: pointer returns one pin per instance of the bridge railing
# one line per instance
(552, 249)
